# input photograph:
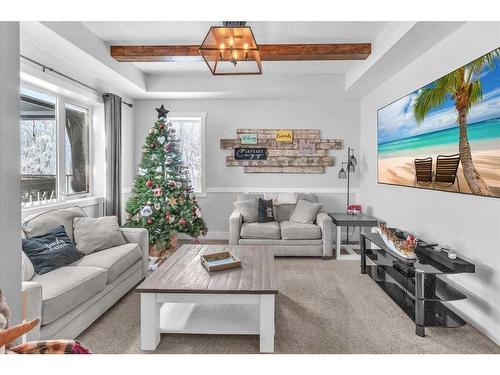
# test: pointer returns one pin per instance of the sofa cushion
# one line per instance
(266, 212)
(305, 212)
(67, 287)
(249, 209)
(115, 259)
(41, 223)
(51, 250)
(269, 230)
(291, 230)
(95, 234)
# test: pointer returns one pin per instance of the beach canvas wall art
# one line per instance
(446, 135)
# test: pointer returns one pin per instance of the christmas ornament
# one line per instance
(157, 206)
(129, 217)
(171, 220)
(196, 242)
(172, 130)
(167, 216)
(182, 221)
(161, 139)
(142, 171)
(149, 184)
(151, 131)
(168, 160)
(171, 184)
(172, 201)
(162, 125)
(197, 212)
(162, 112)
(150, 221)
(159, 169)
(178, 185)
(146, 211)
(170, 138)
(158, 191)
(152, 145)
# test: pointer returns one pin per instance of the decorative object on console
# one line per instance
(162, 199)
(354, 209)
(403, 244)
(283, 157)
(351, 168)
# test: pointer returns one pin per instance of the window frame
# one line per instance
(203, 131)
(60, 111)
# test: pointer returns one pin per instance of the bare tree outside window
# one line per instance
(188, 132)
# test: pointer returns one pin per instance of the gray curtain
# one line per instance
(113, 130)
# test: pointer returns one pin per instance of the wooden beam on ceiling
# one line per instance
(268, 52)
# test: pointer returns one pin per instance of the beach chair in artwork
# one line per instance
(446, 170)
(423, 171)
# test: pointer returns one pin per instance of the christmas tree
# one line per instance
(162, 199)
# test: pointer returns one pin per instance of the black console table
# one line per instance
(413, 283)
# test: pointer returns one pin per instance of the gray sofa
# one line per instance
(68, 299)
(285, 237)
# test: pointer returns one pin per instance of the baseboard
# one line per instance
(472, 318)
(211, 235)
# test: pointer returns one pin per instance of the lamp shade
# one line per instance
(351, 168)
(231, 51)
(342, 173)
(354, 161)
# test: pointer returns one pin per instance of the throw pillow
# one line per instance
(94, 234)
(51, 250)
(266, 213)
(249, 209)
(305, 212)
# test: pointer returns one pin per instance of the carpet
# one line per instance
(323, 306)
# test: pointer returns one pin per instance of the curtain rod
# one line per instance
(49, 69)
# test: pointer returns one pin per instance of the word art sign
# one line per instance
(284, 136)
(306, 147)
(248, 139)
(250, 153)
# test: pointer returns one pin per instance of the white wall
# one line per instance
(336, 118)
(469, 224)
(10, 188)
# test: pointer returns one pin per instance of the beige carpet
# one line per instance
(323, 306)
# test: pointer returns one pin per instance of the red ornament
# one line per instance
(150, 221)
(153, 145)
(149, 184)
(167, 216)
(158, 192)
(182, 221)
(196, 242)
(162, 125)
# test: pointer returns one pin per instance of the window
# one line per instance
(54, 148)
(190, 131)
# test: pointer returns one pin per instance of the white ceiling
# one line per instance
(264, 32)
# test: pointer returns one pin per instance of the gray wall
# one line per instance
(469, 224)
(10, 202)
(336, 118)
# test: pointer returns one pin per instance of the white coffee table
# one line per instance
(183, 297)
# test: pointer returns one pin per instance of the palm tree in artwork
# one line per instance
(464, 87)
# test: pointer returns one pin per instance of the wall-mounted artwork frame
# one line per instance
(445, 136)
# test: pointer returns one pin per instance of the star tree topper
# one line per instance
(162, 111)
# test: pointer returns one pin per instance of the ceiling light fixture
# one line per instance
(231, 49)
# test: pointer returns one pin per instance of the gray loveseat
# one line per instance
(285, 237)
(68, 299)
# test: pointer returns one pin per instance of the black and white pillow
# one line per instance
(51, 250)
(266, 212)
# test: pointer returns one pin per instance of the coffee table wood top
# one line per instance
(184, 273)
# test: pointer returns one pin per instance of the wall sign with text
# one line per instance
(241, 153)
(248, 139)
(284, 136)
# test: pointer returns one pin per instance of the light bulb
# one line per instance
(245, 46)
(231, 41)
(222, 46)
